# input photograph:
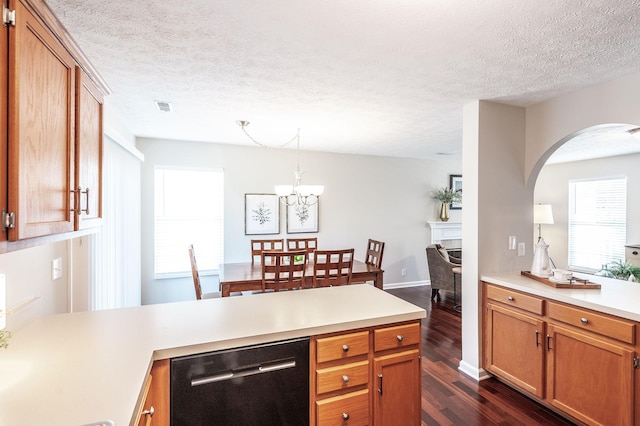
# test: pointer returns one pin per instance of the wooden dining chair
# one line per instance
(196, 278)
(258, 246)
(308, 244)
(332, 267)
(375, 250)
(284, 270)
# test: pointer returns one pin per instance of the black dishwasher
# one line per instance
(265, 384)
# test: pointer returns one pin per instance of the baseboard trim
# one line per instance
(477, 374)
(389, 286)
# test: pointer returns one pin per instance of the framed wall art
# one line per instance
(261, 214)
(302, 218)
(455, 183)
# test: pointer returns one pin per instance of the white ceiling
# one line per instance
(381, 77)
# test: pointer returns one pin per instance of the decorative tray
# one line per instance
(572, 283)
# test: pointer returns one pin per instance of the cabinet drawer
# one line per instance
(342, 347)
(513, 298)
(618, 329)
(396, 337)
(342, 377)
(351, 409)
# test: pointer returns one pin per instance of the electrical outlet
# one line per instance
(521, 249)
(403, 272)
(56, 268)
(512, 242)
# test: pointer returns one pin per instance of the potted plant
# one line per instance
(447, 196)
(624, 271)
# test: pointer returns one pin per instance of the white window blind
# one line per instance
(597, 222)
(188, 209)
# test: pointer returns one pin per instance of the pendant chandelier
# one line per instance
(296, 194)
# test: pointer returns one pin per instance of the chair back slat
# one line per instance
(332, 267)
(284, 270)
(308, 244)
(375, 250)
(258, 246)
(194, 273)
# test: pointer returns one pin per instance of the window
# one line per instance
(597, 222)
(188, 209)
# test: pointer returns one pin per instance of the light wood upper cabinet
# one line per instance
(89, 143)
(41, 124)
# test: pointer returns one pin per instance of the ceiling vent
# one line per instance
(163, 106)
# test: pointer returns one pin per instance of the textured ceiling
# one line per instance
(380, 77)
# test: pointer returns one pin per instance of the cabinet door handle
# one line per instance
(345, 348)
(148, 414)
(400, 337)
(548, 342)
(345, 379)
(86, 191)
(537, 342)
(380, 381)
(345, 416)
(584, 321)
(510, 298)
(76, 199)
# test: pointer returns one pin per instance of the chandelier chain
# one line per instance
(244, 124)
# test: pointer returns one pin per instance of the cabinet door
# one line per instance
(89, 144)
(41, 117)
(397, 389)
(588, 378)
(514, 348)
(155, 409)
(4, 104)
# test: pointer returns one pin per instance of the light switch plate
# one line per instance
(512, 242)
(56, 268)
(521, 249)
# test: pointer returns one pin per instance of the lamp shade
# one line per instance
(542, 214)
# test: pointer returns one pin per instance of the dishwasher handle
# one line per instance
(234, 374)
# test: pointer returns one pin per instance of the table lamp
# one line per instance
(542, 215)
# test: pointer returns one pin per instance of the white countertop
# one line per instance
(74, 369)
(616, 297)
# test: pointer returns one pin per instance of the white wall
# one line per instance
(552, 187)
(384, 198)
(29, 283)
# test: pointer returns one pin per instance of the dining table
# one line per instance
(238, 277)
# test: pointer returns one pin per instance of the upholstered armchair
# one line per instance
(440, 269)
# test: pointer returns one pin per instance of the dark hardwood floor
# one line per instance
(449, 397)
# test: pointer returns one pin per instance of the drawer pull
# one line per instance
(345, 379)
(345, 416)
(510, 298)
(584, 321)
(400, 337)
(345, 348)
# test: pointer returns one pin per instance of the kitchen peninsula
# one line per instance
(80, 368)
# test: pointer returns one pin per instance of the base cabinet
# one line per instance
(397, 378)
(514, 348)
(366, 377)
(580, 362)
(590, 379)
(155, 408)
